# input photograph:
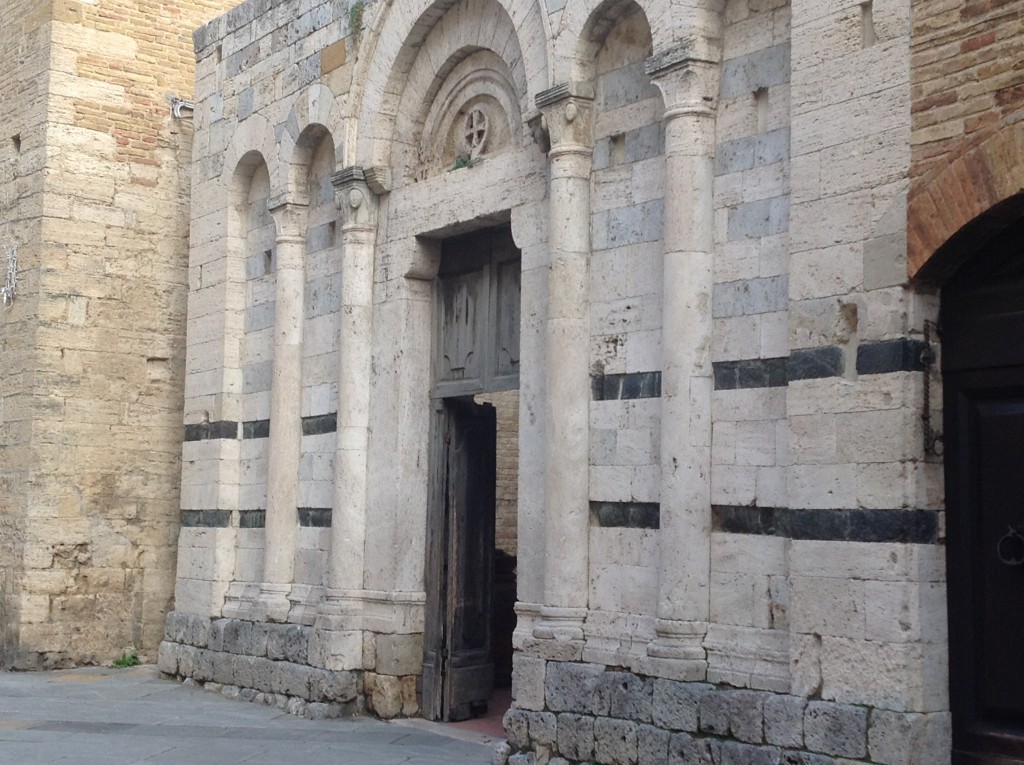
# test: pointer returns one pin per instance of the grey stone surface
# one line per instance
(517, 728)
(99, 716)
(715, 714)
(543, 728)
(761, 217)
(652, 745)
(904, 738)
(526, 758)
(676, 704)
(631, 697)
(615, 741)
(244, 637)
(746, 715)
(839, 729)
(570, 686)
(288, 642)
(784, 720)
(684, 749)
(501, 754)
(576, 736)
(735, 753)
(750, 296)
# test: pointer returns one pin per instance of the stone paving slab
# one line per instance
(105, 716)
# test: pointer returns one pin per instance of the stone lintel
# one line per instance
(348, 175)
(582, 90)
(687, 52)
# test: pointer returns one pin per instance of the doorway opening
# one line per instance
(472, 517)
(982, 323)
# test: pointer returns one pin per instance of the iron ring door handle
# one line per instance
(1010, 549)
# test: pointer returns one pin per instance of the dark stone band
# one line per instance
(626, 515)
(901, 355)
(206, 519)
(315, 517)
(626, 386)
(252, 519)
(256, 429)
(205, 431)
(859, 525)
(319, 424)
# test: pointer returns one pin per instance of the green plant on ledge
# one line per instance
(463, 160)
(128, 659)
(355, 18)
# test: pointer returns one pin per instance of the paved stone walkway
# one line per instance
(124, 716)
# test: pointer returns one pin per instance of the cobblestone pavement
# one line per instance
(99, 716)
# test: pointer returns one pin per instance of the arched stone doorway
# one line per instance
(982, 324)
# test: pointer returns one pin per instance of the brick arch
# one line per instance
(988, 176)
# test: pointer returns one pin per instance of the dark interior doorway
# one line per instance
(982, 324)
(471, 561)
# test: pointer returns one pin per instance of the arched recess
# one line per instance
(249, 314)
(315, 114)
(586, 21)
(516, 30)
(947, 211)
(982, 323)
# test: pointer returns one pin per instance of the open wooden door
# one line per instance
(476, 351)
(459, 668)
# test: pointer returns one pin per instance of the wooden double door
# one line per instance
(982, 326)
(476, 351)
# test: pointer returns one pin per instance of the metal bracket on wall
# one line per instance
(179, 106)
(7, 292)
(933, 443)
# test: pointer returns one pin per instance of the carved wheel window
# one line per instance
(475, 132)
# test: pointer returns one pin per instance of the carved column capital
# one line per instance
(688, 80)
(356, 201)
(289, 218)
(568, 111)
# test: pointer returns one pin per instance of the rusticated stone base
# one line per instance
(274, 664)
(595, 715)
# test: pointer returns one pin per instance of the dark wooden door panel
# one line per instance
(983, 382)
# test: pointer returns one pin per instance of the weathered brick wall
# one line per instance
(23, 82)
(966, 77)
(107, 358)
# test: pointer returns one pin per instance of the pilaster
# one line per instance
(689, 86)
(568, 114)
(285, 444)
(341, 610)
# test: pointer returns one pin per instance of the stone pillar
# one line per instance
(689, 86)
(568, 113)
(341, 609)
(285, 443)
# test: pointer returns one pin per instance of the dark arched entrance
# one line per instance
(982, 324)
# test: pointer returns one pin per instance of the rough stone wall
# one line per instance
(107, 360)
(24, 39)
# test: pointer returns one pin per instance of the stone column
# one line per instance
(340, 611)
(689, 86)
(285, 442)
(568, 114)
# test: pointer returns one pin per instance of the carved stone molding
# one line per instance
(568, 111)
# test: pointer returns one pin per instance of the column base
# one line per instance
(339, 611)
(677, 651)
(560, 623)
(305, 600)
(273, 604)
(240, 602)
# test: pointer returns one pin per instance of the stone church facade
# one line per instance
(681, 290)
(703, 248)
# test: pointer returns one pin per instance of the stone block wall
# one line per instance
(103, 254)
(574, 713)
(24, 36)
